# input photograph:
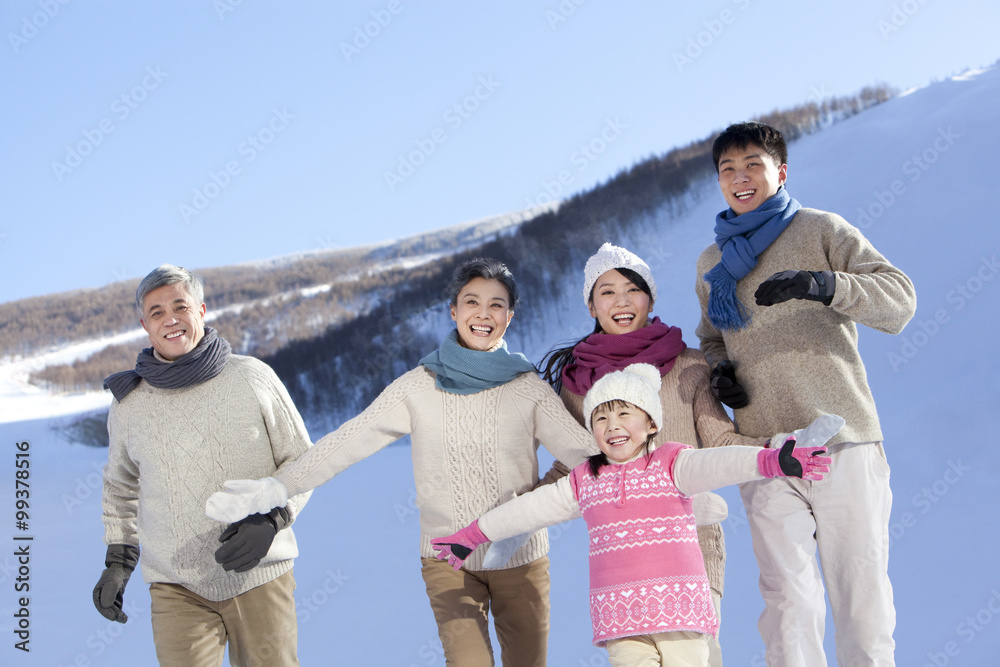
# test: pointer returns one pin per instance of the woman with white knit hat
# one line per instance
(650, 601)
(619, 291)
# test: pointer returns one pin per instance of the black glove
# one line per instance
(726, 388)
(247, 541)
(119, 562)
(809, 285)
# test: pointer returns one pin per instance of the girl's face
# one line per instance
(619, 305)
(621, 429)
(482, 313)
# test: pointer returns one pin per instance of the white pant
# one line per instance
(845, 516)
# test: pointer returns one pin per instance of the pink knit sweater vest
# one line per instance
(646, 570)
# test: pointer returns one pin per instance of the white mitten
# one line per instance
(709, 508)
(816, 434)
(244, 497)
(501, 552)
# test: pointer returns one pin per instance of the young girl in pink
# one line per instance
(650, 601)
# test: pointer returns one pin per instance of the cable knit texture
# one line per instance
(470, 452)
(171, 448)
(799, 359)
(691, 415)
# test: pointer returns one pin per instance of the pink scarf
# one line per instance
(599, 354)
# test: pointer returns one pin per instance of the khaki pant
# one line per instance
(714, 649)
(662, 649)
(845, 517)
(260, 626)
(461, 601)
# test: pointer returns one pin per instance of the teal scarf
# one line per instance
(460, 370)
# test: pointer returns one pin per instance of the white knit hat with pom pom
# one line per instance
(638, 384)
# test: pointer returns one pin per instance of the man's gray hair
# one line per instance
(168, 274)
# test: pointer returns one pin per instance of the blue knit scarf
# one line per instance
(460, 370)
(742, 238)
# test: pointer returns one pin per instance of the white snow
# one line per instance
(916, 173)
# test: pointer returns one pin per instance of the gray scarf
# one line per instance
(202, 363)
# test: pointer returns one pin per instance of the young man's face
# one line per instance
(748, 177)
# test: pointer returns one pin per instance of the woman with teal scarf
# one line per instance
(476, 414)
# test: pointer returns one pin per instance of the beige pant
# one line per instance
(461, 602)
(714, 649)
(260, 626)
(845, 518)
(662, 649)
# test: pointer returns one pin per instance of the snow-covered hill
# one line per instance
(914, 173)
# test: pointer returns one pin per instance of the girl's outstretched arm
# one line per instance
(545, 506)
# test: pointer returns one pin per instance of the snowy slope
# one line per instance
(918, 168)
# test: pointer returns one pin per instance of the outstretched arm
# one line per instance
(383, 422)
(545, 506)
(699, 470)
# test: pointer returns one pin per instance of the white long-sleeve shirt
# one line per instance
(695, 471)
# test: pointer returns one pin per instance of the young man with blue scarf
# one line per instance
(781, 292)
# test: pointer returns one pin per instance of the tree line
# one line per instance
(336, 349)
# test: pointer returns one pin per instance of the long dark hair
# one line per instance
(555, 360)
(600, 459)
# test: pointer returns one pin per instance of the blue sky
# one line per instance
(942, 560)
(211, 133)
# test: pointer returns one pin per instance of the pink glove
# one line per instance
(457, 547)
(791, 462)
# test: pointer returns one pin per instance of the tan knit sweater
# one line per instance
(171, 448)
(470, 452)
(693, 416)
(799, 359)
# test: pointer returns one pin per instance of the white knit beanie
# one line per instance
(638, 384)
(613, 257)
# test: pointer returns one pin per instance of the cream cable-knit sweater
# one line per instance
(693, 416)
(799, 359)
(470, 452)
(171, 448)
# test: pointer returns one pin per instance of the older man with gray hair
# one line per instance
(188, 417)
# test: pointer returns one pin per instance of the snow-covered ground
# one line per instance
(914, 173)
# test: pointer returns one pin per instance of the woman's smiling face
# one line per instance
(619, 305)
(482, 312)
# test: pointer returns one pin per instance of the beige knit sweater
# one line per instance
(799, 359)
(470, 452)
(171, 448)
(693, 416)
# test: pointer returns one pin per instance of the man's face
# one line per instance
(174, 322)
(748, 177)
